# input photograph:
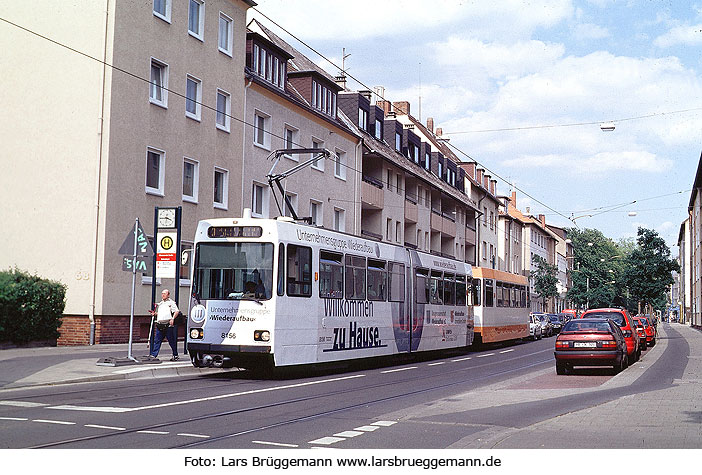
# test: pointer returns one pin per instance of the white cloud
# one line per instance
(689, 35)
(590, 31)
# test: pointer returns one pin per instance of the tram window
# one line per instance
(489, 293)
(421, 285)
(299, 271)
(377, 280)
(460, 290)
(514, 295)
(522, 297)
(449, 289)
(331, 275)
(281, 269)
(396, 282)
(477, 293)
(436, 288)
(498, 294)
(355, 277)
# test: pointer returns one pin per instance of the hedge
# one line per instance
(30, 307)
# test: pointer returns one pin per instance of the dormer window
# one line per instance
(268, 66)
(323, 99)
(362, 119)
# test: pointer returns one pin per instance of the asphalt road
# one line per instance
(429, 403)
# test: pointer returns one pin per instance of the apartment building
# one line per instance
(694, 257)
(563, 262)
(510, 230)
(151, 117)
(684, 300)
(291, 103)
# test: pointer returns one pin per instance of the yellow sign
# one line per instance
(166, 243)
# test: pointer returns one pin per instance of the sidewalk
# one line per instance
(27, 367)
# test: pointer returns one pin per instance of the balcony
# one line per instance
(448, 227)
(470, 235)
(372, 195)
(371, 235)
(410, 210)
(436, 221)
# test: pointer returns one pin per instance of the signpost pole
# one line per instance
(131, 315)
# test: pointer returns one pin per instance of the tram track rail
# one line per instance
(411, 381)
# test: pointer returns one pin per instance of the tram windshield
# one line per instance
(234, 271)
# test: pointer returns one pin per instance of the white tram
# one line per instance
(501, 305)
(273, 291)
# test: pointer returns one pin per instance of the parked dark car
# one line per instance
(590, 342)
(622, 318)
(556, 322)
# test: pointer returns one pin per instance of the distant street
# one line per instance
(501, 397)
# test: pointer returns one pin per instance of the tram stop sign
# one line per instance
(144, 252)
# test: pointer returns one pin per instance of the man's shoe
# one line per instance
(175, 358)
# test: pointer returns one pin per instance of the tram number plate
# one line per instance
(585, 344)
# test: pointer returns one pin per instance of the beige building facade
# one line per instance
(143, 111)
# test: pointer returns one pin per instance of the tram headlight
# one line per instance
(196, 333)
(262, 335)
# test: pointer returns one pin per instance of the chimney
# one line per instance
(385, 105)
(402, 107)
(379, 94)
(514, 199)
(479, 176)
(542, 218)
(493, 186)
(486, 182)
(439, 132)
(471, 169)
(341, 81)
(430, 124)
(366, 93)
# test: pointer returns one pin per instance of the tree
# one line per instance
(648, 270)
(597, 269)
(545, 279)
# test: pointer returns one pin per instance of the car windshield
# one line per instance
(580, 326)
(554, 319)
(617, 317)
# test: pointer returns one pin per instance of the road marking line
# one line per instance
(14, 418)
(483, 356)
(203, 399)
(200, 436)
(384, 423)
(105, 427)
(349, 433)
(22, 404)
(506, 351)
(434, 364)
(462, 359)
(277, 444)
(367, 428)
(47, 421)
(399, 369)
(157, 432)
(327, 440)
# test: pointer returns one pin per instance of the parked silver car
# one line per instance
(535, 332)
(546, 326)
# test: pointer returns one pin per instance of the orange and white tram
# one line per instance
(500, 304)
(274, 291)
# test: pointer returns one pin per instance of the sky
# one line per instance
(522, 87)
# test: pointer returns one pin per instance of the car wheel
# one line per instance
(561, 368)
(626, 360)
(653, 342)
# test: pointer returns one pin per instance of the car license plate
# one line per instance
(585, 344)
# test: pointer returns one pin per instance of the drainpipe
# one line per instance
(477, 231)
(357, 192)
(98, 181)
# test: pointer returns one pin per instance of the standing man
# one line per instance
(166, 313)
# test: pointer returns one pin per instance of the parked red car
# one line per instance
(641, 330)
(649, 331)
(590, 342)
(571, 312)
(622, 318)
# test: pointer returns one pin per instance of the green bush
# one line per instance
(30, 307)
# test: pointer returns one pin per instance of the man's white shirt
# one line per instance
(166, 310)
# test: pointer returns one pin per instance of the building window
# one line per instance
(340, 164)
(262, 136)
(190, 180)
(225, 34)
(398, 142)
(221, 188)
(158, 87)
(259, 201)
(155, 162)
(162, 9)
(224, 108)
(339, 220)
(193, 97)
(398, 188)
(362, 119)
(441, 170)
(378, 129)
(388, 229)
(290, 140)
(398, 231)
(319, 164)
(196, 18)
(288, 209)
(316, 213)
